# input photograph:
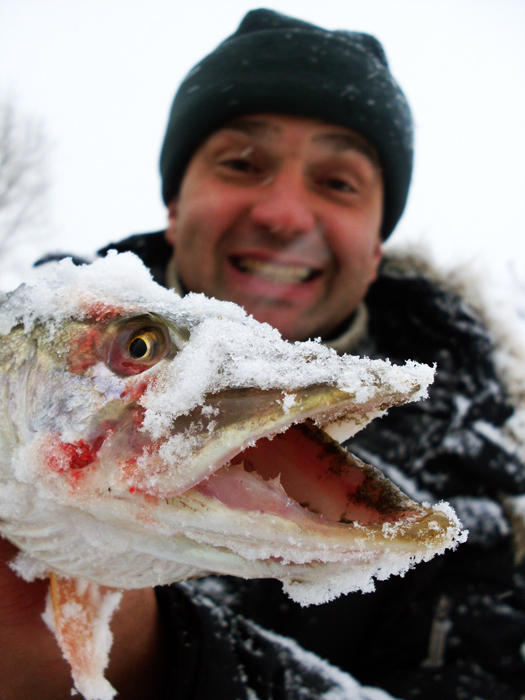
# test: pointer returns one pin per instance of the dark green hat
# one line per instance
(278, 64)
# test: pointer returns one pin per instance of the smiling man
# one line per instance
(281, 215)
(286, 164)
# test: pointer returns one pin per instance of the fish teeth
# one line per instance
(292, 274)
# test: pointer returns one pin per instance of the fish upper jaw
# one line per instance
(213, 435)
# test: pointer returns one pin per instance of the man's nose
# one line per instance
(284, 207)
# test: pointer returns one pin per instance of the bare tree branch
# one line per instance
(23, 173)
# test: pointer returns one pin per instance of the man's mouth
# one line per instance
(275, 272)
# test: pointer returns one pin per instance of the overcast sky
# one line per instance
(101, 74)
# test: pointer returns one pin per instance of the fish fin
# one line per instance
(79, 612)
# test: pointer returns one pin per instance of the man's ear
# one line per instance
(173, 210)
(377, 256)
(378, 251)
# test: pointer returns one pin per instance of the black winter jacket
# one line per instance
(453, 628)
(220, 655)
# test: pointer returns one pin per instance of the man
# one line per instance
(286, 163)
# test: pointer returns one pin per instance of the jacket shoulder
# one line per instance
(152, 248)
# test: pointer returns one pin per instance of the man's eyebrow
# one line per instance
(252, 127)
(337, 141)
(343, 142)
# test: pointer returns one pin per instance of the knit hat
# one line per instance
(278, 64)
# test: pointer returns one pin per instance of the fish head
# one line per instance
(149, 438)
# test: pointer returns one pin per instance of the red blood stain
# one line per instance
(148, 498)
(132, 367)
(153, 500)
(135, 391)
(138, 416)
(85, 349)
(129, 467)
(100, 312)
(73, 457)
(83, 352)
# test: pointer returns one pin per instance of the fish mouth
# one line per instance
(278, 273)
(297, 506)
(251, 427)
(304, 468)
(272, 453)
(255, 484)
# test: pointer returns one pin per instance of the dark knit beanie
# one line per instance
(278, 64)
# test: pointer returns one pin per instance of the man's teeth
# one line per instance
(275, 273)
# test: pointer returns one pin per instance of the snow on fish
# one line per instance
(146, 439)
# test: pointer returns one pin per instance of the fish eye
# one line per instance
(134, 347)
(142, 346)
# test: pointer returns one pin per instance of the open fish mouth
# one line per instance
(255, 427)
(277, 496)
(304, 467)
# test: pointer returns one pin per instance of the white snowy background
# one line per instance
(101, 75)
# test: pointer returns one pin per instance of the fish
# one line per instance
(148, 439)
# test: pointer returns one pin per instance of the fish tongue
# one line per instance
(79, 613)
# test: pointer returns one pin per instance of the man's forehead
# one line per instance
(275, 127)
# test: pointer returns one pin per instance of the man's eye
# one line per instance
(339, 185)
(240, 165)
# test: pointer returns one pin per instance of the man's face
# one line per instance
(282, 216)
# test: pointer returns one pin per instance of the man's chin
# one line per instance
(290, 308)
(288, 321)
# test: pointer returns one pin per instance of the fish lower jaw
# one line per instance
(273, 540)
(137, 544)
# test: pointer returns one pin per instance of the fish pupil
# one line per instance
(138, 348)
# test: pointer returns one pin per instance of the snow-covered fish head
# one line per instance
(147, 439)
